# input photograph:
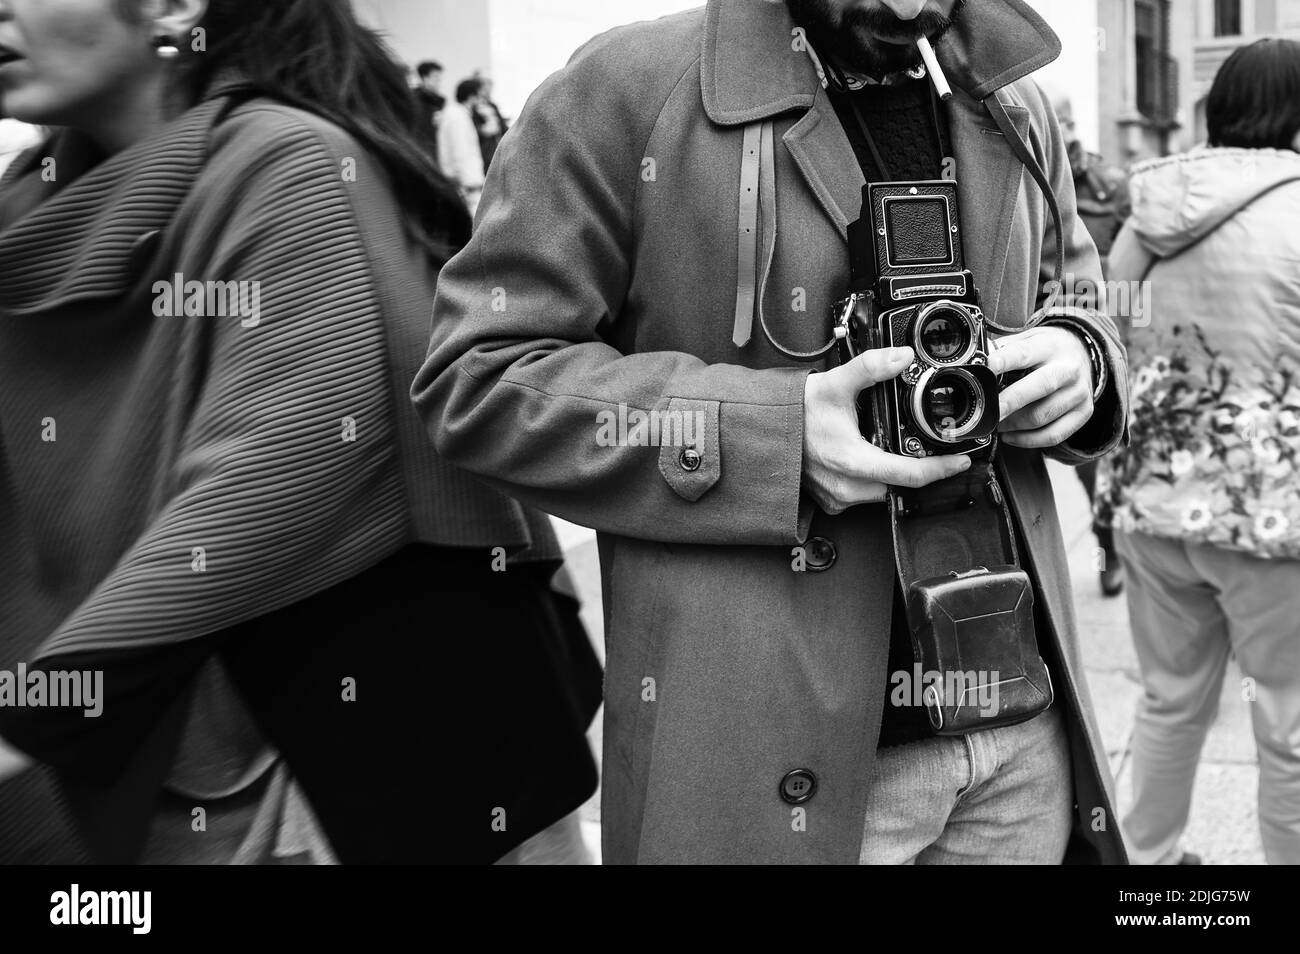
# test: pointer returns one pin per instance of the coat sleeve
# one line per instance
(522, 385)
(1079, 302)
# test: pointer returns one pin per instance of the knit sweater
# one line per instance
(902, 125)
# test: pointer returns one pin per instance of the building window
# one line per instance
(1157, 71)
(1227, 17)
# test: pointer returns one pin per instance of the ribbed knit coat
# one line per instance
(167, 476)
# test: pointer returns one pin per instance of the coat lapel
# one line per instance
(988, 186)
(825, 159)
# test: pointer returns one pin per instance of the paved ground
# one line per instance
(1223, 828)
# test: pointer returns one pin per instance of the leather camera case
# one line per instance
(977, 631)
(970, 607)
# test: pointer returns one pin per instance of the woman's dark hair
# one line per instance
(1255, 100)
(315, 55)
(467, 88)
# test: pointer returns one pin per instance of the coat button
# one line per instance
(798, 786)
(690, 459)
(820, 554)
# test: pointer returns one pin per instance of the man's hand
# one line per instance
(841, 469)
(1051, 403)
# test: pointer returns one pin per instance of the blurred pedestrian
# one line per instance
(489, 122)
(1206, 499)
(312, 638)
(1101, 191)
(430, 95)
(459, 150)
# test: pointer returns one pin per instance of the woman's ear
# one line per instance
(178, 18)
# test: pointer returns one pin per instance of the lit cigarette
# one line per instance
(936, 71)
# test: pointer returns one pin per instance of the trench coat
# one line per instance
(604, 273)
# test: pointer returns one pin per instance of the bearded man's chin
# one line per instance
(880, 57)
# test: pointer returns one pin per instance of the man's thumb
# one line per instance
(872, 367)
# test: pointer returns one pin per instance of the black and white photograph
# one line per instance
(649, 432)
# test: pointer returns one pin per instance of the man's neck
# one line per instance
(856, 79)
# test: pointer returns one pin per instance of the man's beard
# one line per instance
(850, 36)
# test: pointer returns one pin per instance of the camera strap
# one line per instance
(998, 111)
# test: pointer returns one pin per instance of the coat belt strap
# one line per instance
(747, 234)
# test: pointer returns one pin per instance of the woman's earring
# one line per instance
(165, 46)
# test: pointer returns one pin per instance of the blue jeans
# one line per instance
(996, 796)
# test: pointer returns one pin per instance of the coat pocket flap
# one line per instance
(690, 454)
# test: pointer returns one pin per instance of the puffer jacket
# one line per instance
(1215, 353)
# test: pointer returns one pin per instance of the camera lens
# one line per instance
(949, 403)
(944, 334)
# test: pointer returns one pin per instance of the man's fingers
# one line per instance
(921, 472)
(1045, 412)
(1033, 387)
(1016, 353)
(899, 471)
(865, 474)
(1052, 435)
(870, 368)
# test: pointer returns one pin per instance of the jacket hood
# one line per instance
(1179, 200)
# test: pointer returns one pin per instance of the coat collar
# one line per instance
(751, 69)
(751, 72)
(91, 238)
